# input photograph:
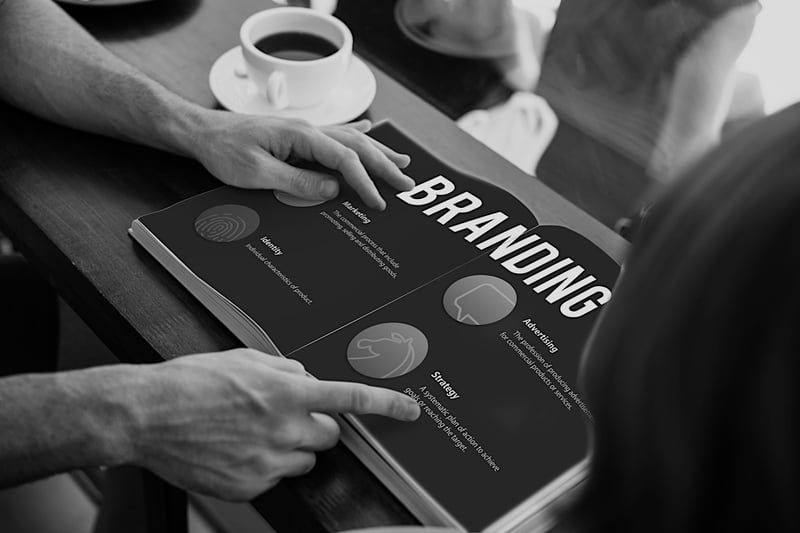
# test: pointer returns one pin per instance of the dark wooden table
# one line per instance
(67, 200)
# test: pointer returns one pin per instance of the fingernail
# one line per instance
(410, 183)
(363, 125)
(404, 160)
(329, 189)
(413, 411)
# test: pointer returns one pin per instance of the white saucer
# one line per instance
(413, 20)
(348, 100)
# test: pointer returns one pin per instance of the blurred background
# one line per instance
(69, 503)
(768, 54)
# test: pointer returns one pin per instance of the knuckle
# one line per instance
(309, 464)
(250, 352)
(287, 437)
(236, 488)
(350, 156)
(360, 140)
(301, 465)
(360, 399)
(296, 389)
(300, 128)
(287, 391)
(397, 407)
(232, 494)
(270, 461)
(269, 477)
(262, 483)
(332, 437)
(247, 492)
(268, 484)
(296, 365)
(302, 124)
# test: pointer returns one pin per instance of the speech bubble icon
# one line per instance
(479, 300)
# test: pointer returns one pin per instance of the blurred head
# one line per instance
(693, 375)
(623, 44)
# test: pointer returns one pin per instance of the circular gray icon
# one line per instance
(295, 201)
(226, 223)
(387, 350)
(479, 300)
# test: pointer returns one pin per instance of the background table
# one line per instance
(67, 200)
(587, 170)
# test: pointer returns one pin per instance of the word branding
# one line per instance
(521, 250)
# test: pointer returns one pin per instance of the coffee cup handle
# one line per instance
(275, 90)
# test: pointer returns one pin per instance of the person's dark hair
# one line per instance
(693, 375)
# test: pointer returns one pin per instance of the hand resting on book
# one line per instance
(256, 153)
(76, 82)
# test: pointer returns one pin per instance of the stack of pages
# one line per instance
(454, 295)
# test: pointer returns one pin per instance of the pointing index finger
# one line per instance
(360, 399)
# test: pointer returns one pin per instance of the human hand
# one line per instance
(257, 152)
(232, 424)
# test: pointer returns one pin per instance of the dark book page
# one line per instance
(453, 295)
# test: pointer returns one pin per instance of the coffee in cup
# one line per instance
(296, 46)
(295, 56)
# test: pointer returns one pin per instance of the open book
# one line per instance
(454, 295)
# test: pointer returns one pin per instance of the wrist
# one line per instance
(183, 126)
(105, 397)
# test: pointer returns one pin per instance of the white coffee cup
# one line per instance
(295, 83)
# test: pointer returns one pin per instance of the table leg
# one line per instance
(165, 506)
(137, 501)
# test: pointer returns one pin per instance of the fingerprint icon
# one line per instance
(388, 350)
(226, 223)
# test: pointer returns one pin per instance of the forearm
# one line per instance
(51, 67)
(52, 423)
